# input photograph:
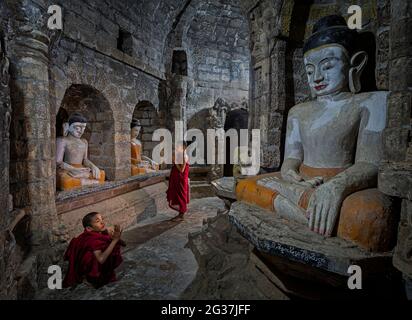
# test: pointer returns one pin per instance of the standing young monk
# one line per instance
(178, 193)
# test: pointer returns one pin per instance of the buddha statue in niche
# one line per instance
(140, 164)
(333, 148)
(74, 169)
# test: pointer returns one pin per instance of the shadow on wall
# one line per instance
(100, 126)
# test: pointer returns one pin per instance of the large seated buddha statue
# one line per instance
(333, 147)
(74, 169)
(140, 164)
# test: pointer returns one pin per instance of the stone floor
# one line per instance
(157, 265)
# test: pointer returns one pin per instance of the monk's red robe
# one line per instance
(83, 263)
(178, 194)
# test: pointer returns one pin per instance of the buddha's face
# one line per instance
(76, 129)
(134, 133)
(327, 68)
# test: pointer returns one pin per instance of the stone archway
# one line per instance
(150, 121)
(100, 132)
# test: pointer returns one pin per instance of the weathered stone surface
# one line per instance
(125, 209)
(395, 179)
(220, 55)
(225, 187)
(224, 267)
(276, 236)
(403, 253)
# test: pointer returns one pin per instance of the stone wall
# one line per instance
(395, 177)
(218, 46)
(125, 209)
(98, 25)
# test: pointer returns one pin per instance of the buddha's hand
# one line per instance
(79, 172)
(292, 176)
(324, 207)
(96, 172)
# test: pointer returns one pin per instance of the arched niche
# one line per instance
(99, 132)
(150, 121)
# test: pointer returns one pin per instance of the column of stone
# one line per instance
(178, 102)
(5, 117)
(395, 176)
(32, 161)
(7, 243)
(277, 107)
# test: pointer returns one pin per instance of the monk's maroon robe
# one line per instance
(83, 263)
(178, 194)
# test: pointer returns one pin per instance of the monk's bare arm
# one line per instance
(102, 256)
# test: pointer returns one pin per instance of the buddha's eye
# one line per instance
(327, 66)
(309, 71)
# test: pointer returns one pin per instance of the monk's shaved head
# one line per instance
(88, 219)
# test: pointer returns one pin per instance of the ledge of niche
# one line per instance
(78, 198)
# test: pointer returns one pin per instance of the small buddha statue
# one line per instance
(140, 164)
(74, 169)
(333, 147)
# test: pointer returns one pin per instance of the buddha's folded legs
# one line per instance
(366, 217)
(65, 181)
(135, 170)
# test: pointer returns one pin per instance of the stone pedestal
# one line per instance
(291, 252)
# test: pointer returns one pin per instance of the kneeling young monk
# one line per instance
(95, 254)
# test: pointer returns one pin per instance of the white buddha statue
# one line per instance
(333, 147)
(74, 169)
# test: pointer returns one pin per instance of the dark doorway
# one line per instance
(235, 119)
(179, 63)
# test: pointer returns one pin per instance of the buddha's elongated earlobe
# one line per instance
(66, 129)
(357, 64)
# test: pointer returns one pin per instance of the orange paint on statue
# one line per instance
(367, 219)
(249, 191)
(64, 181)
(366, 216)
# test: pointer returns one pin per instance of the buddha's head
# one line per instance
(331, 60)
(77, 125)
(135, 128)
